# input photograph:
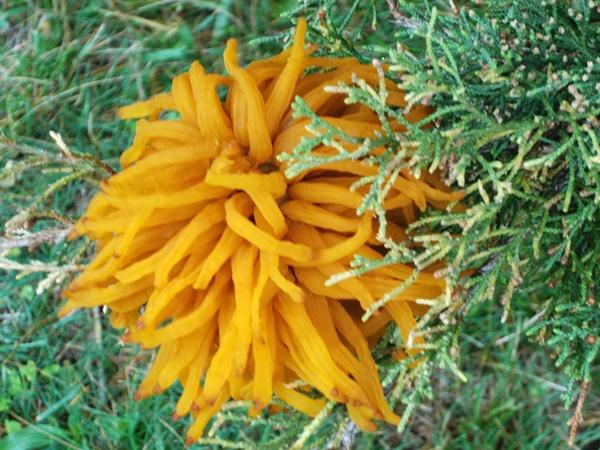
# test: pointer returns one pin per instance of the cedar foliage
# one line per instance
(516, 93)
(516, 89)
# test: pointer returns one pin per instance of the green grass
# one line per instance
(65, 66)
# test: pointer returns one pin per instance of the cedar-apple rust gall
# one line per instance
(209, 254)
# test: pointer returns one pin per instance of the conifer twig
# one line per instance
(577, 418)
